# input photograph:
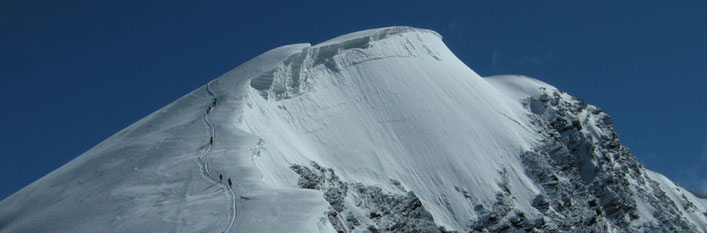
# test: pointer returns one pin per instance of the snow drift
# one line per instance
(382, 130)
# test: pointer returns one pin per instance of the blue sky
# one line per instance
(72, 73)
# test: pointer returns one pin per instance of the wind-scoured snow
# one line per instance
(383, 130)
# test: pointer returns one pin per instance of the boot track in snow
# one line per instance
(206, 173)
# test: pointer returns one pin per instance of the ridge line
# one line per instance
(204, 164)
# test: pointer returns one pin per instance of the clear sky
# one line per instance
(72, 73)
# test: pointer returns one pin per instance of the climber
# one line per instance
(229, 182)
(211, 141)
(220, 177)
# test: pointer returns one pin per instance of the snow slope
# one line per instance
(379, 130)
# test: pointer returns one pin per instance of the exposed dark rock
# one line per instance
(388, 212)
(583, 159)
(588, 182)
(323, 179)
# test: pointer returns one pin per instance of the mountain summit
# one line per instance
(383, 130)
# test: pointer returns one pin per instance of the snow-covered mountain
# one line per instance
(382, 130)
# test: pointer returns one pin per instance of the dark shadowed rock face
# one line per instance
(356, 207)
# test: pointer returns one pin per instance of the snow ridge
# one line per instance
(203, 160)
(383, 130)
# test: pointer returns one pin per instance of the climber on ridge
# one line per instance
(211, 141)
(229, 182)
(220, 177)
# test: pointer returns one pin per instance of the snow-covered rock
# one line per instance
(382, 130)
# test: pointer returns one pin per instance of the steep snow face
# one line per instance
(392, 104)
(393, 112)
(382, 130)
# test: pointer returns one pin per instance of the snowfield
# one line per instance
(383, 130)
